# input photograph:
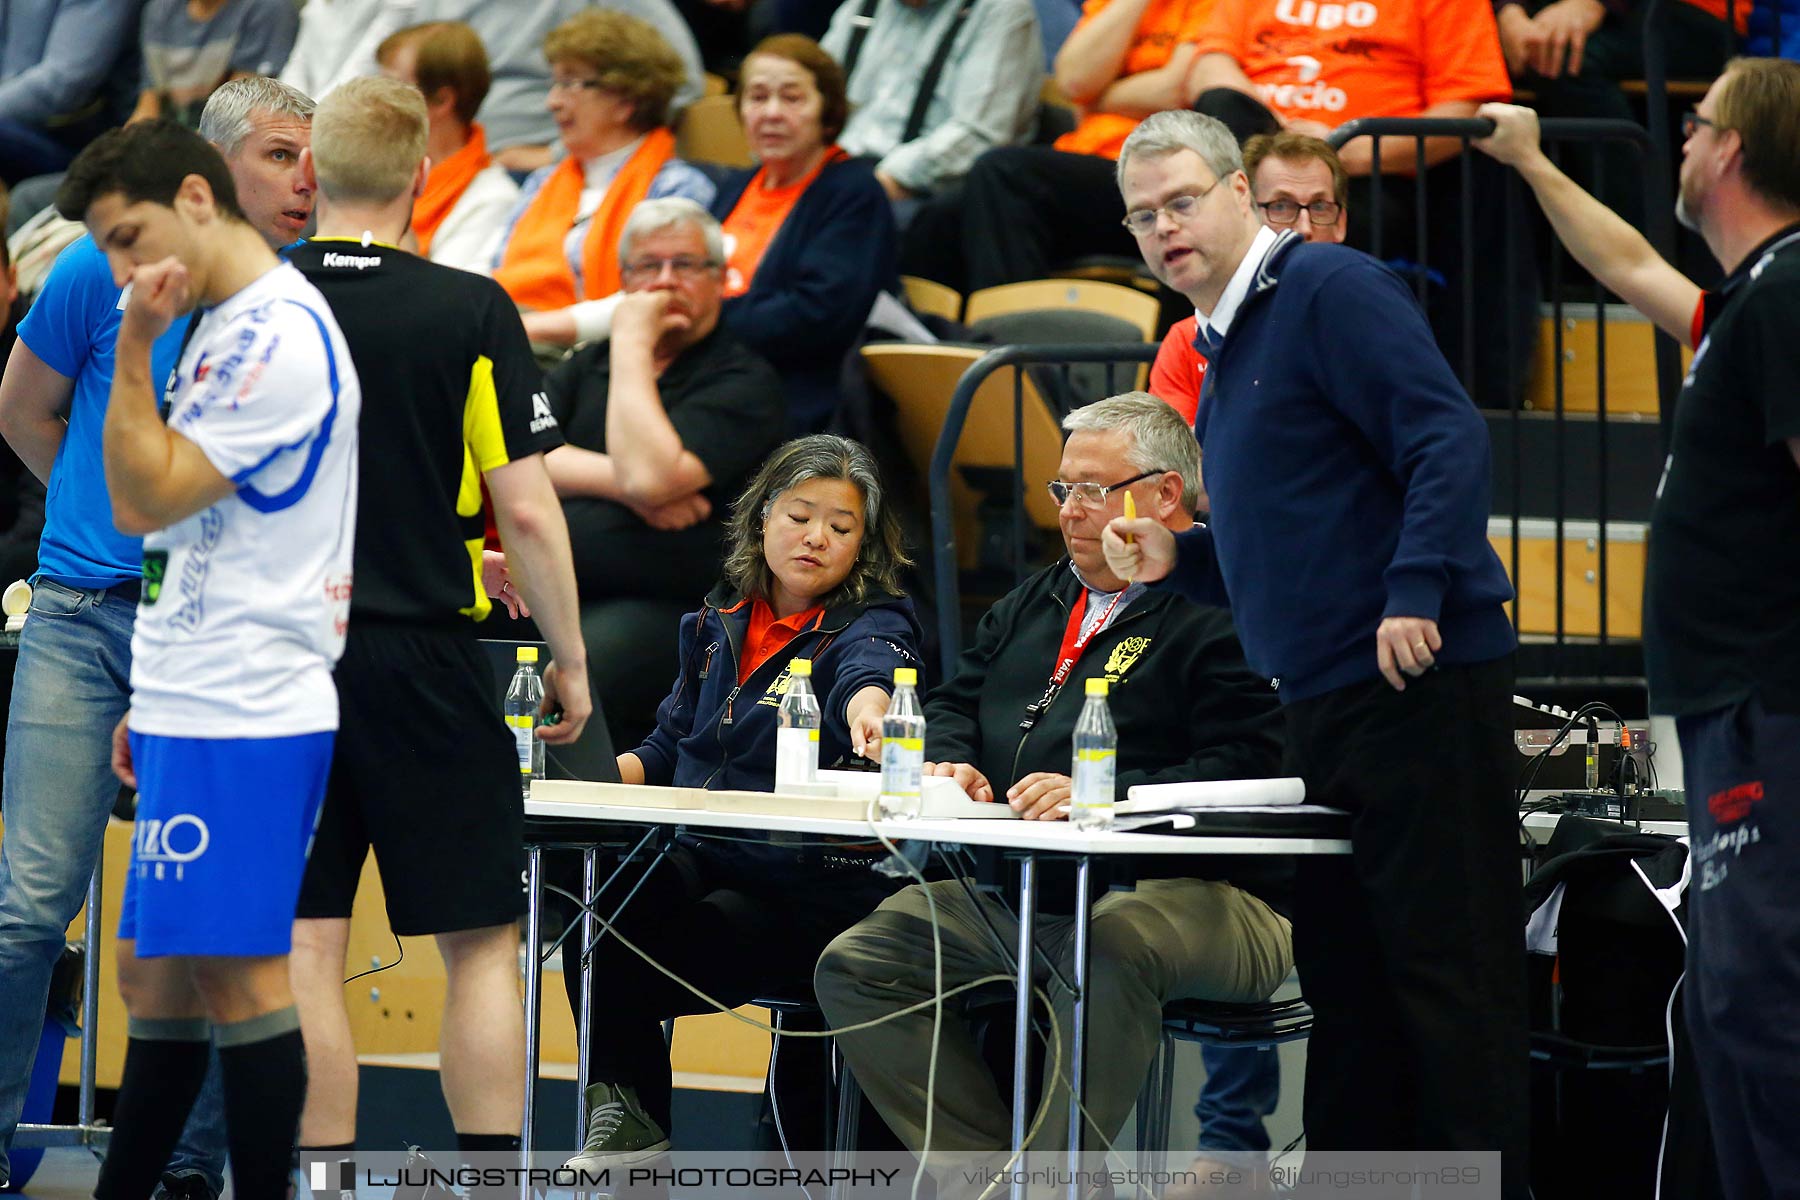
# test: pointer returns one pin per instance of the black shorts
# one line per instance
(426, 774)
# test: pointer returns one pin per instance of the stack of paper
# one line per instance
(1237, 794)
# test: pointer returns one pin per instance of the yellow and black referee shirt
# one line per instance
(450, 391)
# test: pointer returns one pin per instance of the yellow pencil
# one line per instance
(1130, 515)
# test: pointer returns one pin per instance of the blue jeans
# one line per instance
(1243, 1085)
(71, 687)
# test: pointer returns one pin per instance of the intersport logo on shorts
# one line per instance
(165, 846)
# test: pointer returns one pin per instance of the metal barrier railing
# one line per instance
(1130, 356)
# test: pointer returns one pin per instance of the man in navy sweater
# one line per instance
(1348, 474)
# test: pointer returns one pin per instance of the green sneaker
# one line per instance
(618, 1132)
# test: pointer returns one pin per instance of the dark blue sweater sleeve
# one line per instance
(1378, 364)
(675, 715)
(1196, 574)
(810, 296)
(878, 641)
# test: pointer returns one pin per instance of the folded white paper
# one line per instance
(1213, 793)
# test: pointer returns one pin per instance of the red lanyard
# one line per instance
(1074, 641)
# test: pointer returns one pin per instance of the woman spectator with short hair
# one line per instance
(612, 77)
(810, 238)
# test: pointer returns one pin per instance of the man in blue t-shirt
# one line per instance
(72, 681)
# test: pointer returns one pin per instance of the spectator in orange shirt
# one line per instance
(468, 196)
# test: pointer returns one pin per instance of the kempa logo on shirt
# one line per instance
(361, 262)
(172, 843)
(541, 416)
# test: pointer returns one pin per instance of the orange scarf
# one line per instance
(533, 270)
(446, 184)
(758, 216)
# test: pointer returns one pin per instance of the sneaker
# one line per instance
(618, 1132)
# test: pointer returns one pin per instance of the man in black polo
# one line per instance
(426, 773)
(1722, 585)
(1722, 620)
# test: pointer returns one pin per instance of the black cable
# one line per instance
(399, 957)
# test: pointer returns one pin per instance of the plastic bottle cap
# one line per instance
(801, 668)
(527, 653)
(906, 676)
(1096, 687)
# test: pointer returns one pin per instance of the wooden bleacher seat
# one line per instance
(932, 298)
(1126, 304)
(921, 380)
(709, 131)
(1536, 582)
(1630, 362)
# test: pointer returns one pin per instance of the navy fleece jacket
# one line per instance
(1349, 478)
(817, 280)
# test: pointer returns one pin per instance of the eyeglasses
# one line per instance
(576, 85)
(1286, 212)
(684, 267)
(1181, 210)
(1091, 495)
(1691, 122)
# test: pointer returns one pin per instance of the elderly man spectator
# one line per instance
(1187, 707)
(1298, 183)
(56, 57)
(1348, 481)
(933, 84)
(664, 422)
(459, 218)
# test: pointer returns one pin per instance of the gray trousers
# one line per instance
(1169, 939)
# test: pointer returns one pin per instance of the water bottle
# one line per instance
(902, 749)
(797, 729)
(523, 696)
(1096, 756)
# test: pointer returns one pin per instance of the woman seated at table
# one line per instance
(809, 234)
(612, 79)
(812, 562)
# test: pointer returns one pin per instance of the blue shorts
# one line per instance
(223, 827)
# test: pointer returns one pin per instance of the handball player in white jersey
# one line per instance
(244, 488)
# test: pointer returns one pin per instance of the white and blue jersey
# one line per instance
(245, 603)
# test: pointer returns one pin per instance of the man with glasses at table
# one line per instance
(1186, 707)
(1348, 476)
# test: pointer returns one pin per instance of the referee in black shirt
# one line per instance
(425, 772)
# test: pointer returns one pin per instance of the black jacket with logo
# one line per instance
(1186, 704)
